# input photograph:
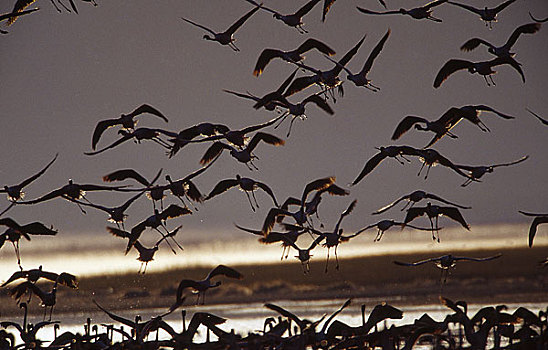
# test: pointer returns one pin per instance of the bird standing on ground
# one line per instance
(201, 286)
(226, 37)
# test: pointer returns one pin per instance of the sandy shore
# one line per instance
(515, 277)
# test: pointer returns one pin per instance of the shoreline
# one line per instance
(515, 277)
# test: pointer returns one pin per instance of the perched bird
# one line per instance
(422, 12)
(477, 172)
(138, 135)
(446, 262)
(488, 15)
(390, 151)
(16, 231)
(290, 56)
(226, 37)
(504, 50)
(247, 185)
(484, 68)
(542, 120)
(125, 120)
(244, 155)
(34, 275)
(538, 219)
(415, 197)
(360, 78)
(293, 20)
(15, 192)
(385, 225)
(434, 212)
(200, 287)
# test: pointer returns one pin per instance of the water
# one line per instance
(96, 254)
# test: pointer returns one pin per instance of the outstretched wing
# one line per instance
(417, 263)
(145, 108)
(475, 42)
(233, 28)
(369, 12)
(406, 124)
(454, 214)
(37, 175)
(369, 166)
(449, 68)
(225, 271)
(373, 55)
(222, 186)
(477, 259)
(388, 206)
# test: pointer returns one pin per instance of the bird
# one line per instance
(542, 120)
(422, 12)
(472, 113)
(277, 96)
(298, 110)
(290, 56)
(15, 192)
(304, 254)
(138, 135)
(244, 155)
(446, 262)
(154, 193)
(226, 37)
(504, 50)
(12, 16)
(327, 80)
(360, 78)
(125, 120)
(16, 231)
(477, 172)
(74, 191)
(488, 15)
(415, 197)
(384, 225)
(300, 216)
(433, 212)
(183, 137)
(48, 298)
(269, 106)
(201, 286)
(247, 185)
(430, 157)
(389, 151)
(538, 219)
(156, 220)
(484, 68)
(291, 235)
(33, 275)
(295, 19)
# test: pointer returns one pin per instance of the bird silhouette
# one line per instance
(477, 172)
(304, 253)
(268, 55)
(360, 78)
(183, 137)
(15, 192)
(385, 225)
(125, 120)
(484, 68)
(297, 111)
(293, 20)
(422, 12)
(154, 193)
(244, 155)
(16, 231)
(21, 5)
(389, 151)
(276, 96)
(269, 106)
(291, 235)
(33, 275)
(226, 37)
(138, 135)
(488, 15)
(446, 262)
(201, 286)
(415, 197)
(434, 212)
(538, 219)
(430, 157)
(247, 185)
(48, 299)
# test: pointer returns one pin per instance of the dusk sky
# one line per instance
(63, 72)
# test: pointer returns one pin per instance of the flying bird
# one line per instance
(247, 185)
(484, 68)
(477, 172)
(268, 55)
(360, 78)
(201, 286)
(226, 37)
(430, 157)
(488, 15)
(269, 106)
(291, 235)
(538, 219)
(138, 135)
(276, 96)
(33, 275)
(183, 137)
(298, 110)
(293, 20)
(422, 12)
(127, 121)
(434, 212)
(414, 198)
(385, 225)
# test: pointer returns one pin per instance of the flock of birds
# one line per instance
(296, 215)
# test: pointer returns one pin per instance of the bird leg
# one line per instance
(420, 170)
(451, 135)
(437, 229)
(16, 247)
(427, 171)
(165, 238)
(300, 29)
(483, 127)
(327, 260)
(282, 118)
(336, 258)
(291, 125)
(372, 87)
(8, 208)
(467, 182)
(254, 199)
(379, 235)
(249, 199)
(56, 7)
(432, 227)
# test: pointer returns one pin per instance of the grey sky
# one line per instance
(62, 73)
